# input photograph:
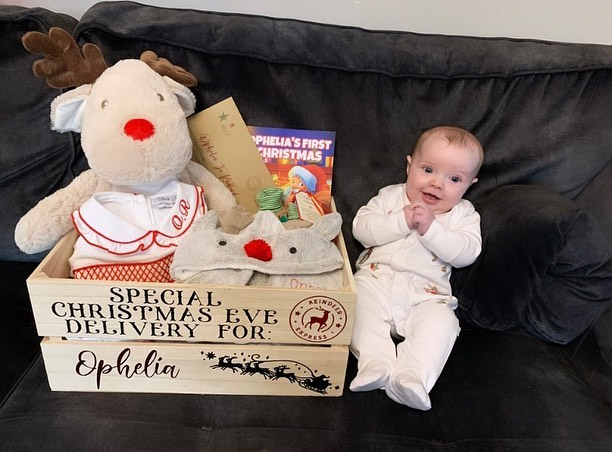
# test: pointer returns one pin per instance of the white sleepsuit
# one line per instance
(403, 288)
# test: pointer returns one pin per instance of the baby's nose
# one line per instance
(437, 182)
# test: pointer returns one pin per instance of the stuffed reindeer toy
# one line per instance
(142, 192)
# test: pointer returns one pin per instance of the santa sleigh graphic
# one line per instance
(292, 371)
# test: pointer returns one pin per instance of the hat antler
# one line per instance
(64, 65)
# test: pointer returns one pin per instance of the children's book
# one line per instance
(300, 162)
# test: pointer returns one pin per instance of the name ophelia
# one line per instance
(152, 366)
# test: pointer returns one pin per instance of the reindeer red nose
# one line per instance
(258, 249)
(139, 129)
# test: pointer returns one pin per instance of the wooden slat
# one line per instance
(173, 312)
(123, 366)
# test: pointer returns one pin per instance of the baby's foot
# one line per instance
(373, 375)
(406, 387)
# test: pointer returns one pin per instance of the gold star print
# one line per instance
(223, 116)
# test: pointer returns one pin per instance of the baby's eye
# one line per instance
(428, 169)
(455, 179)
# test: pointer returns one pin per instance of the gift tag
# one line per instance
(308, 207)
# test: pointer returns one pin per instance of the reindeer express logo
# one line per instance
(318, 319)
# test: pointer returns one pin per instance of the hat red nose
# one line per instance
(258, 249)
(139, 129)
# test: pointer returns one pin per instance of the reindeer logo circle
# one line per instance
(318, 319)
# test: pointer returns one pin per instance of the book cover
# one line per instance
(300, 161)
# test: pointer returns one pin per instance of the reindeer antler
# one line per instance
(64, 65)
(164, 67)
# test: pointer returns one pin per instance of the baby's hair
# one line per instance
(454, 135)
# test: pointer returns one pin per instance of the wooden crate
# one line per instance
(200, 368)
(304, 331)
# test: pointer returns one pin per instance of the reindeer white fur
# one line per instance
(133, 129)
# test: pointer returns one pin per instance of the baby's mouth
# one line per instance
(429, 198)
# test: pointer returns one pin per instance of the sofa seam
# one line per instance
(81, 29)
(35, 14)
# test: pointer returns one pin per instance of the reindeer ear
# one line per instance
(67, 109)
(207, 222)
(328, 226)
(264, 222)
(185, 97)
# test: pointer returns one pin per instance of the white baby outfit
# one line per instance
(132, 237)
(403, 288)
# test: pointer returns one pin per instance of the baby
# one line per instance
(414, 233)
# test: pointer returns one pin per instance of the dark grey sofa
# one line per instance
(532, 368)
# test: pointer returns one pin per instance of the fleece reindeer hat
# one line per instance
(262, 254)
(133, 123)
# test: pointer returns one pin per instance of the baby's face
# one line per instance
(440, 173)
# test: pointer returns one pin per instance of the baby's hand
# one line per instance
(422, 217)
(409, 216)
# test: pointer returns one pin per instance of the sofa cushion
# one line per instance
(545, 266)
(378, 90)
(593, 199)
(34, 160)
(482, 390)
